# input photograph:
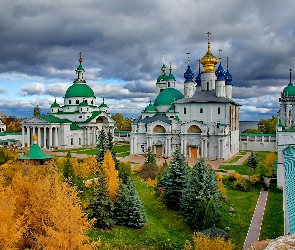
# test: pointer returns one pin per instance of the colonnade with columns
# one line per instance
(287, 113)
(48, 136)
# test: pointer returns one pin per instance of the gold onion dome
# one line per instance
(209, 61)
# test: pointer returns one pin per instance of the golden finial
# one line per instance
(150, 100)
(170, 67)
(103, 100)
(290, 75)
(188, 57)
(35, 137)
(80, 59)
(174, 99)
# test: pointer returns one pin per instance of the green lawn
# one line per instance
(239, 222)
(121, 150)
(273, 220)
(166, 228)
(244, 169)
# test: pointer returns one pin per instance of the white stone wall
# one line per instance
(258, 143)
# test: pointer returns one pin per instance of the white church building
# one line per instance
(76, 123)
(202, 122)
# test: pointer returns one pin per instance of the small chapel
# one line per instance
(203, 121)
(76, 123)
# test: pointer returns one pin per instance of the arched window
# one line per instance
(70, 101)
(218, 110)
(92, 102)
(201, 110)
(77, 101)
(159, 129)
(184, 110)
(207, 85)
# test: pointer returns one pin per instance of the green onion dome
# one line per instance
(168, 96)
(289, 90)
(150, 108)
(79, 90)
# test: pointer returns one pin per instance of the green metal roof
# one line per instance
(168, 96)
(54, 105)
(79, 90)
(75, 127)
(103, 105)
(83, 104)
(80, 67)
(171, 77)
(35, 153)
(53, 119)
(94, 115)
(162, 78)
(289, 90)
(150, 108)
(246, 134)
(289, 167)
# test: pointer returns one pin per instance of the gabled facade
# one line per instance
(76, 123)
(202, 122)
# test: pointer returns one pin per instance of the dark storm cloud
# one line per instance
(125, 40)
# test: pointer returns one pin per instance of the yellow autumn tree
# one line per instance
(112, 174)
(269, 162)
(51, 211)
(204, 242)
(88, 166)
(11, 228)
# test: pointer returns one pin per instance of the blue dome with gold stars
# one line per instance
(189, 75)
(220, 73)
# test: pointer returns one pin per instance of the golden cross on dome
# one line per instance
(170, 67)
(208, 33)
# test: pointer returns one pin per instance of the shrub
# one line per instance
(255, 179)
(137, 169)
(242, 184)
(216, 232)
(234, 176)
(148, 170)
(204, 242)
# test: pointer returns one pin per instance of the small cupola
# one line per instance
(103, 107)
(198, 79)
(209, 61)
(188, 74)
(228, 76)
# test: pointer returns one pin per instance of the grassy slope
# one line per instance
(244, 204)
(273, 220)
(165, 229)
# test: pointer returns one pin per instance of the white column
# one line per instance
(55, 137)
(205, 148)
(23, 136)
(50, 137)
(28, 136)
(287, 116)
(39, 136)
(184, 146)
(45, 145)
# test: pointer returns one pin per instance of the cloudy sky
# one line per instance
(122, 42)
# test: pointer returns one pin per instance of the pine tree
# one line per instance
(101, 205)
(202, 184)
(112, 174)
(175, 180)
(136, 214)
(129, 209)
(252, 162)
(150, 158)
(122, 204)
(110, 147)
(210, 217)
(102, 146)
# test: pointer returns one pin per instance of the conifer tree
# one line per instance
(101, 205)
(102, 145)
(210, 216)
(202, 184)
(252, 162)
(175, 180)
(110, 147)
(112, 174)
(129, 209)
